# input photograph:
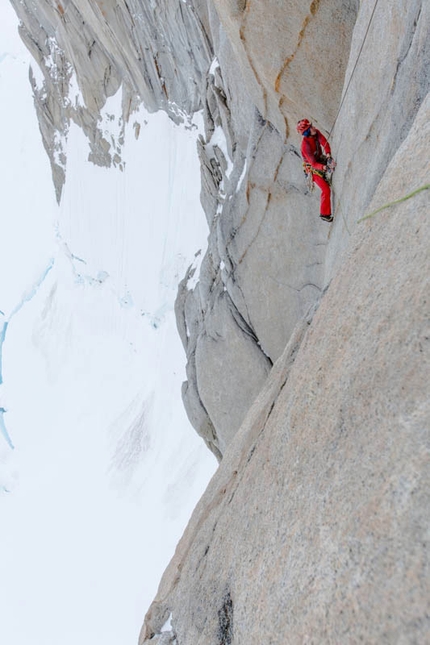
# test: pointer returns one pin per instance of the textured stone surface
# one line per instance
(279, 48)
(315, 528)
(157, 53)
(390, 81)
(266, 248)
(264, 264)
(274, 257)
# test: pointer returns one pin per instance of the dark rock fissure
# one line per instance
(225, 621)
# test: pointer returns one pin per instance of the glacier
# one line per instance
(99, 467)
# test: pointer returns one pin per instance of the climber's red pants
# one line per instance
(325, 207)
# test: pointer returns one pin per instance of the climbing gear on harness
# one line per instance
(309, 172)
(317, 164)
(307, 169)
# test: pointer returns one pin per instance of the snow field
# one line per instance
(105, 469)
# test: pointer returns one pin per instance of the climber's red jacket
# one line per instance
(312, 150)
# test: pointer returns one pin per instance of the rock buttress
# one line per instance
(315, 527)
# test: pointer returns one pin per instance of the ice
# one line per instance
(105, 469)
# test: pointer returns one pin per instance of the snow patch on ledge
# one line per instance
(195, 271)
(218, 139)
(214, 66)
(167, 627)
(242, 176)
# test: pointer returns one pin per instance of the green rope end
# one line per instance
(397, 201)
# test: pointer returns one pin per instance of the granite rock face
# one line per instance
(266, 251)
(390, 78)
(253, 73)
(315, 527)
(158, 53)
(307, 345)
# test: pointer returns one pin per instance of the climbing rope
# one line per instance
(397, 201)
(355, 66)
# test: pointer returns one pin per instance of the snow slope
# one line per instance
(99, 466)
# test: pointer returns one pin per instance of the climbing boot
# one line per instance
(327, 218)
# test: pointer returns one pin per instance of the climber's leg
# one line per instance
(325, 207)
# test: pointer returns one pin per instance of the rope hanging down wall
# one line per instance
(355, 66)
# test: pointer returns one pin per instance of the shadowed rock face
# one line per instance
(307, 345)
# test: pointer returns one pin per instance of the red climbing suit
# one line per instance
(312, 147)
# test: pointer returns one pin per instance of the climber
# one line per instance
(317, 164)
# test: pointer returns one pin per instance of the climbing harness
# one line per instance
(310, 171)
(327, 161)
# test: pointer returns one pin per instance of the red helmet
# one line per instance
(303, 125)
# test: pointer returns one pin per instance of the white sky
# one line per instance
(105, 469)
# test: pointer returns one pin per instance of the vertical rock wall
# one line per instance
(252, 70)
(105, 45)
(315, 527)
(265, 262)
(388, 77)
